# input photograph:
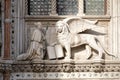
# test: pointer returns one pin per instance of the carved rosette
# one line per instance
(38, 67)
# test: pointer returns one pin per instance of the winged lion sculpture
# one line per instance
(71, 35)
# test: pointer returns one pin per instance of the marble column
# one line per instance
(6, 75)
(20, 23)
(19, 27)
(53, 6)
(115, 27)
(80, 8)
(7, 29)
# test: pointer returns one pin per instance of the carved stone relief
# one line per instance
(84, 36)
(37, 46)
(81, 62)
(48, 31)
(72, 32)
(64, 70)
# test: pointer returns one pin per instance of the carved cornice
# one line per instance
(61, 66)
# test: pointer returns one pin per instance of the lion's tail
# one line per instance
(105, 50)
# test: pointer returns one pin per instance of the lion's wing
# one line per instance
(77, 25)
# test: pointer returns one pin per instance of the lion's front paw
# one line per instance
(67, 58)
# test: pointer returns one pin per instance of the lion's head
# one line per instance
(61, 26)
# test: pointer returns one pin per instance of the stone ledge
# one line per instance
(61, 66)
(99, 17)
(67, 61)
(56, 18)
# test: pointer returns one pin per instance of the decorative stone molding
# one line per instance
(12, 31)
(38, 67)
(62, 66)
(5, 67)
(65, 70)
(54, 69)
(21, 68)
(66, 76)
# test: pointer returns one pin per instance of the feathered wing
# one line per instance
(77, 25)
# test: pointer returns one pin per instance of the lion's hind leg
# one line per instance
(93, 44)
(88, 51)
